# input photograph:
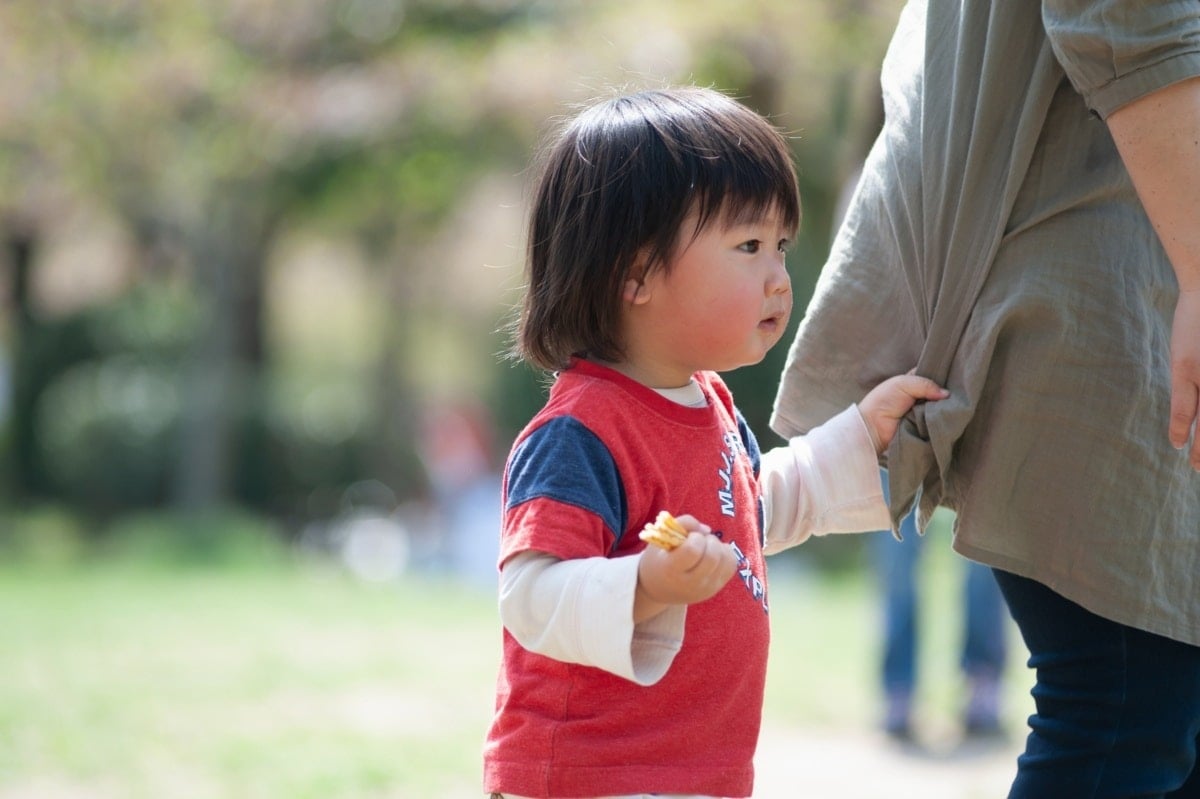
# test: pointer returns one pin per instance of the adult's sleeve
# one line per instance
(1115, 51)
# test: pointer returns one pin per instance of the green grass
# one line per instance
(295, 681)
(136, 684)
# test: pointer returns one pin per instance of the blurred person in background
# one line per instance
(983, 646)
(457, 448)
(1025, 230)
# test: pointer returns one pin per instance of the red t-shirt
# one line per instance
(600, 460)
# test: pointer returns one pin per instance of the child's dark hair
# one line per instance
(615, 188)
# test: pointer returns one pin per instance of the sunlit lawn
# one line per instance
(128, 684)
(299, 682)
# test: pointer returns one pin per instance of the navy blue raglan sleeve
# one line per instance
(559, 479)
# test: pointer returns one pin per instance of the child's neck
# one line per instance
(648, 377)
(688, 394)
(691, 395)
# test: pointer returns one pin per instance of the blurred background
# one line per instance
(258, 254)
(257, 258)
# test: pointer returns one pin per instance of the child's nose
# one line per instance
(779, 281)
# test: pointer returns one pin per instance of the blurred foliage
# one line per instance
(226, 538)
(54, 537)
(110, 402)
(49, 536)
(249, 242)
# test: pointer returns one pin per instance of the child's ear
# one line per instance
(635, 292)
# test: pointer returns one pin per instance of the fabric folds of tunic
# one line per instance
(995, 244)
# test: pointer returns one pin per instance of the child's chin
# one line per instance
(747, 362)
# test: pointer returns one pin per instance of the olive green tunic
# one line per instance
(996, 245)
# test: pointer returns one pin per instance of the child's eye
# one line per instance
(751, 246)
(785, 245)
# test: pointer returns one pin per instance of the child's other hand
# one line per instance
(887, 403)
(692, 572)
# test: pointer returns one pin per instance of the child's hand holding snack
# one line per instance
(692, 571)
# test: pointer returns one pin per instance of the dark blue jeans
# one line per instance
(1117, 709)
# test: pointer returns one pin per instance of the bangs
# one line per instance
(737, 171)
(736, 188)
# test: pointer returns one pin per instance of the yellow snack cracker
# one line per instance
(665, 532)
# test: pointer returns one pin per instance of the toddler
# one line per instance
(656, 260)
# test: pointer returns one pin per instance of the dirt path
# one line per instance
(802, 764)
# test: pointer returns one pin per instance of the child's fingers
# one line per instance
(687, 555)
(924, 388)
(692, 572)
(693, 524)
(714, 559)
(920, 387)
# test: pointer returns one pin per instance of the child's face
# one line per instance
(723, 302)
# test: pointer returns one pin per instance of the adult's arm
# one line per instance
(1158, 137)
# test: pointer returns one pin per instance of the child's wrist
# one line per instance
(645, 606)
(876, 442)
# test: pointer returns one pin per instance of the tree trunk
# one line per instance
(20, 243)
(228, 253)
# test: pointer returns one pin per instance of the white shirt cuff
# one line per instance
(581, 611)
(826, 481)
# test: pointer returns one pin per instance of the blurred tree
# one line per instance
(216, 123)
(215, 130)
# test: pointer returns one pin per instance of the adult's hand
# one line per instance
(1185, 373)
